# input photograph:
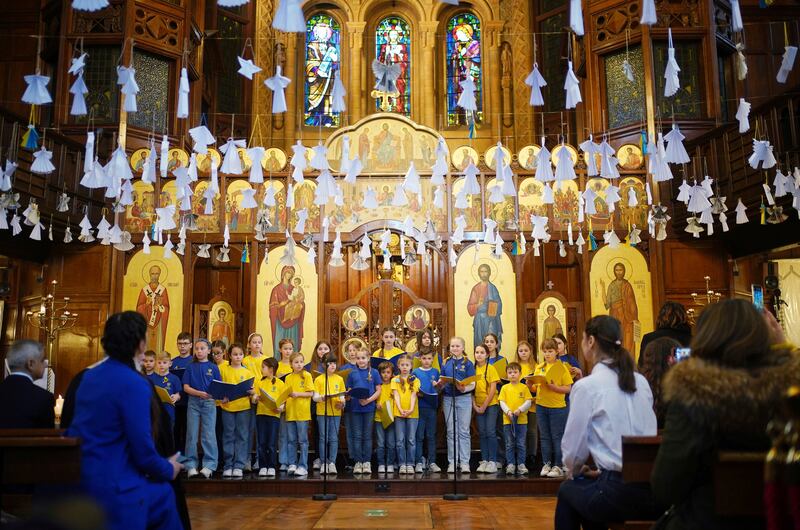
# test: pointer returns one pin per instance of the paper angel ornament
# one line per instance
(490, 225)
(247, 68)
(336, 255)
(126, 79)
(86, 230)
(411, 181)
(5, 175)
(608, 162)
(232, 162)
(89, 5)
(164, 153)
(649, 17)
(693, 227)
(576, 17)
(672, 81)
(452, 255)
(248, 199)
(88, 154)
(627, 70)
(298, 161)
(36, 92)
(590, 150)
(399, 199)
(461, 202)
(562, 251)
(684, 192)
(68, 234)
(222, 255)
(338, 94)
(202, 138)
(256, 155)
(547, 194)
(676, 152)
(787, 63)
(539, 231)
(353, 170)
(386, 75)
(572, 88)
(536, 82)
(471, 185)
(496, 194)
(278, 84)
(740, 63)
(588, 197)
(662, 171)
(780, 183)
(768, 194)
(612, 197)
(289, 16)
(370, 201)
(302, 217)
(440, 167)
(180, 248)
(633, 236)
(565, 167)
(126, 197)
(544, 171)
(183, 95)
(16, 229)
(633, 200)
(203, 250)
(63, 203)
(319, 160)
(42, 164)
(290, 196)
(78, 91)
(743, 115)
(95, 177)
(438, 197)
(611, 239)
(498, 247)
(467, 98)
(723, 220)
(458, 233)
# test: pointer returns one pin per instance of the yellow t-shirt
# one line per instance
(527, 369)
(335, 385)
(514, 395)
(254, 364)
(236, 376)
(274, 390)
(405, 396)
(557, 374)
(386, 395)
(283, 369)
(485, 376)
(299, 409)
(387, 354)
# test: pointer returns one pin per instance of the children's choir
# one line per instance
(391, 397)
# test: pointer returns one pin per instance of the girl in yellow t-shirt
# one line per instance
(268, 417)
(298, 414)
(388, 348)
(551, 408)
(256, 357)
(330, 402)
(385, 440)
(406, 414)
(486, 408)
(236, 414)
(286, 349)
(528, 360)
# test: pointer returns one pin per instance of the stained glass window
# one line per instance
(625, 99)
(688, 100)
(229, 83)
(100, 76)
(463, 58)
(393, 45)
(152, 74)
(552, 62)
(323, 35)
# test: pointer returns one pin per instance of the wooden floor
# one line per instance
(257, 513)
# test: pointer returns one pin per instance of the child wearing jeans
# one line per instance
(551, 408)
(367, 382)
(201, 415)
(515, 400)
(406, 414)
(236, 417)
(385, 439)
(298, 414)
(330, 403)
(268, 418)
(428, 408)
(486, 408)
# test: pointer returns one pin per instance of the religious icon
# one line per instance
(530, 201)
(153, 305)
(551, 318)
(503, 213)
(473, 212)
(620, 301)
(485, 306)
(602, 218)
(274, 160)
(321, 64)
(244, 158)
(138, 158)
(287, 309)
(417, 317)
(565, 204)
(633, 215)
(239, 219)
(222, 329)
(178, 158)
(204, 161)
(464, 156)
(629, 156)
(551, 323)
(489, 155)
(393, 46)
(463, 60)
(354, 318)
(527, 157)
(139, 215)
(360, 345)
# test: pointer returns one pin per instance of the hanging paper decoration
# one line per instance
(364, 254)
(740, 63)
(565, 167)
(467, 98)
(223, 255)
(126, 79)
(183, 95)
(471, 185)
(289, 16)
(36, 92)
(676, 152)
(63, 203)
(576, 17)
(247, 68)
(539, 231)
(742, 114)
(662, 171)
(298, 161)
(6, 174)
(672, 82)
(256, 155)
(612, 197)
(736, 16)
(649, 17)
(42, 164)
(16, 229)
(590, 150)
(89, 5)
(386, 75)
(698, 201)
(86, 229)
(232, 162)
(780, 183)
(775, 215)
(762, 154)
(544, 171)
(319, 160)
(338, 94)
(278, 84)
(78, 88)
(536, 82)
(440, 167)
(608, 162)
(164, 152)
(611, 239)
(203, 250)
(634, 237)
(202, 138)
(787, 63)
(30, 140)
(572, 88)
(336, 255)
(399, 200)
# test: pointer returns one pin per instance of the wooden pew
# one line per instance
(739, 484)
(638, 457)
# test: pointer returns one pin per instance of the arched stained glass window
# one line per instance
(463, 58)
(393, 45)
(323, 34)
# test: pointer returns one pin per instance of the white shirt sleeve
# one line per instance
(504, 407)
(525, 406)
(317, 397)
(469, 388)
(574, 443)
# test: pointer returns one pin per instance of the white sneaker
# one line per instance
(418, 469)
(545, 470)
(522, 470)
(465, 468)
(323, 469)
(206, 472)
(192, 472)
(228, 473)
(358, 468)
(481, 467)
(262, 472)
(291, 469)
(316, 464)
(510, 469)
(367, 468)
(271, 472)
(565, 470)
(555, 472)
(434, 468)
(491, 467)
(390, 468)
(451, 468)
(381, 469)
(237, 473)
(301, 472)
(283, 467)
(332, 469)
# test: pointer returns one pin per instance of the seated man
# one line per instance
(33, 406)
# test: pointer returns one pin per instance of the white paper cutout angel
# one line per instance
(787, 63)
(536, 82)
(298, 161)
(471, 185)
(247, 68)
(36, 92)
(576, 17)
(42, 164)
(203, 250)
(289, 16)
(649, 17)
(743, 115)
(222, 255)
(572, 88)
(183, 95)
(278, 84)
(676, 152)
(126, 79)
(467, 98)
(672, 81)
(338, 94)
(164, 153)
(386, 75)
(231, 162)
(202, 138)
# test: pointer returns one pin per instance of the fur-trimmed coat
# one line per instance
(712, 408)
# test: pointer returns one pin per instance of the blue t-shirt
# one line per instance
(570, 359)
(200, 374)
(359, 378)
(171, 384)
(458, 369)
(181, 363)
(348, 407)
(426, 380)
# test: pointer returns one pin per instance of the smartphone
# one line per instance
(758, 296)
(682, 354)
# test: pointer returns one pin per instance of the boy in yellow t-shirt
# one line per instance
(298, 414)
(268, 417)
(406, 414)
(385, 444)
(236, 432)
(330, 403)
(515, 400)
(551, 408)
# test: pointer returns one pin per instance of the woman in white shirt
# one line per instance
(612, 402)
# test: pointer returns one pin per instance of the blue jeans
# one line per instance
(268, 427)
(426, 430)
(201, 420)
(347, 420)
(236, 437)
(533, 435)
(463, 418)
(283, 441)
(515, 443)
(362, 435)
(551, 429)
(405, 430)
(386, 441)
(487, 427)
(297, 432)
(329, 450)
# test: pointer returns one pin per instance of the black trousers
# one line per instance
(180, 428)
(593, 503)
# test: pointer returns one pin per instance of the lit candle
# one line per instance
(58, 408)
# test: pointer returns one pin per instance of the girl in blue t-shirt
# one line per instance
(364, 384)
(201, 415)
(457, 405)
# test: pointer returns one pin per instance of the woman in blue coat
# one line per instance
(120, 467)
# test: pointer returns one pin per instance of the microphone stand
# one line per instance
(455, 496)
(325, 496)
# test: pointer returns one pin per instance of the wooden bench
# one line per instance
(739, 484)
(638, 457)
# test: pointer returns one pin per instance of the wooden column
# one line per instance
(428, 71)
(492, 93)
(356, 32)
(295, 108)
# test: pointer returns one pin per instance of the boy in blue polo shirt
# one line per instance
(428, 407)
(178, 368)
(202, 410)
(169, 382)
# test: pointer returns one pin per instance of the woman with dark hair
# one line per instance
(671, 322)
(721, 398)
(611, 402)
(654, 362)
(114, 417)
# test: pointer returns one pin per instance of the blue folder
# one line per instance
(360, 392)
(220, 390)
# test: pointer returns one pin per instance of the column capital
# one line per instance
(492, 30)
(428, 30)
(355, 32)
